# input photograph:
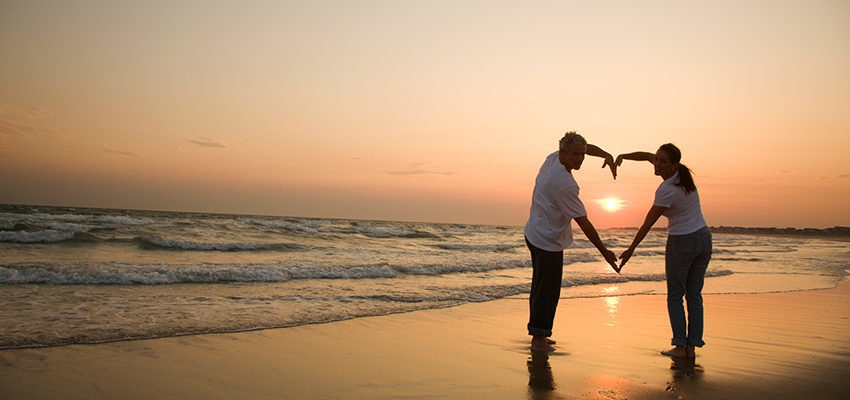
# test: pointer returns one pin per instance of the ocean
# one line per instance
(79, 275)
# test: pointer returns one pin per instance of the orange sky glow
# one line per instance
(436, 111)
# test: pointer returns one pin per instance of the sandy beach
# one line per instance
(780, 346)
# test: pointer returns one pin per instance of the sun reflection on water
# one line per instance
(612, 303)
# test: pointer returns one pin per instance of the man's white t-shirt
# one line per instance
(554, 204)
(683, 209)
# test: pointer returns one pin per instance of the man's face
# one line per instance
(573, 156)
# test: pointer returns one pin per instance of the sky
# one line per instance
(434, 111)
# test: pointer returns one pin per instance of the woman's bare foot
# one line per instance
(678, 351)
(541, 343)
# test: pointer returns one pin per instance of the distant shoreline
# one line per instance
(837, 232)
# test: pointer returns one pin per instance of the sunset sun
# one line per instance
(610, 204)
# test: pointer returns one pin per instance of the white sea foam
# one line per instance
(48, 236)
(65, 226)
(102, 219)
(215, 246)
(477, 247)
(283, 224)
(158, 274)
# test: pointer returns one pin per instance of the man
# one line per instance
(554, 204)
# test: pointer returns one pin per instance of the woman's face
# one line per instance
(663, 166)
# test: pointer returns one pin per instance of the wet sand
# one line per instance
(779, 346)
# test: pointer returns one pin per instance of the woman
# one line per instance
(688, 245)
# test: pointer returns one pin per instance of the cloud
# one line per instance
(106, 149)
(839, 176)
(16, 121)
(419, 172)
(420, 169)
(9, 128)
(204, 141)
(5, 148)
(110, 150)
(29, 112)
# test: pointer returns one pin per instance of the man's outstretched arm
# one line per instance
(590, 231)
(596, 151)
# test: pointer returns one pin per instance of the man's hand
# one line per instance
(596, 151)
(611, 258)
(624, 258)
(609, 162)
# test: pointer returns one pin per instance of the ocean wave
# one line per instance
(45, 236)
(612, 243)
(477, 247)
(282, 224)
(158, 274)
(35, 226)
(626, 277)
(453, 268)
(649, 252)
(745, 259)
(155, 274)
(472, 294)
(173, 244)
(386, 233)
(352, 228)
(471, 229)
(442, 269)
(78, 218)
(161, 274)
(65, 226)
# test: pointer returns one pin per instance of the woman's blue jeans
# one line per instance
(686, 260)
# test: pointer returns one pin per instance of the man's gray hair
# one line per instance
(570, 138)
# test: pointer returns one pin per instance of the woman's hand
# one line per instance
(624, 258)
(619, 161)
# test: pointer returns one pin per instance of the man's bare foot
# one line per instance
(550, 341)
(690, 351)
(678, 351)
(541, 343)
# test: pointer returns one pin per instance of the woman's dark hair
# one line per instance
(686, 179)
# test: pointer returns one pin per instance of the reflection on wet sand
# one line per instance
(686, 375)
(541, 382)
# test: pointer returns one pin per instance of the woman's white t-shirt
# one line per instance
(554, 204)
(683, 209)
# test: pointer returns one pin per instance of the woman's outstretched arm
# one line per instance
(651, 217)
(636, 156)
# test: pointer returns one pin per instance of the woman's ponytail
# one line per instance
(686, 179)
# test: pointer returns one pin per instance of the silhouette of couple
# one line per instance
(555, 204)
